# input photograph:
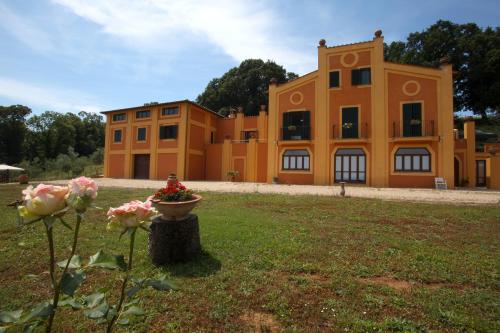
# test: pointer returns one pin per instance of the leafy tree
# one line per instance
(245, 85)
(12, 132)
(51, 134)
(473, 52)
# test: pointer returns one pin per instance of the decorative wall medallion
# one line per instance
(296, 98)
(411, 88)
(349, 59)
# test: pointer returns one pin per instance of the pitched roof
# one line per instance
(164, 104)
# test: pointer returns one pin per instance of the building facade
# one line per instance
(356, 119)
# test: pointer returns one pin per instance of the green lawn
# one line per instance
(292, 263)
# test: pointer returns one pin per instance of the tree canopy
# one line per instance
(47, 135)
(246, 85)
(474, 53)
(12, 132)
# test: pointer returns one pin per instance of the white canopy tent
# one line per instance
(5, 172)
(8, 167)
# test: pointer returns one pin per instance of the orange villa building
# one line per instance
(356, 119)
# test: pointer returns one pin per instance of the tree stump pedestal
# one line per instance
(174, 241)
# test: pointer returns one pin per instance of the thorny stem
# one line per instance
(124, 284)
(57, 288)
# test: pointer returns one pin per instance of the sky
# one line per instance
(97, 55)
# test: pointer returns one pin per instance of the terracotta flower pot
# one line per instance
(23, 179)
(176, 210)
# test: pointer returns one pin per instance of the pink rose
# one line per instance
(83, 186)
(43, 200)
(82, 191)
(130, 215)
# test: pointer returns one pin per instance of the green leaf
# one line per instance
(30, 327)
(161, 284)
(75, 262)
(98, 312)
(133, 311)
(94, 299)
(132, 291)
(123, 321)
(72, 302)
(65, 224)
(42, 310)
(71, 281)
(10, 316)
(101, 259)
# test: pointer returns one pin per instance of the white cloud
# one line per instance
(242, 29)
(54, 99)
(24, 30)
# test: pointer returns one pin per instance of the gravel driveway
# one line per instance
(405, 194)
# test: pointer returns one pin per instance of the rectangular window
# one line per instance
(334, 79)
(141, 134)
(296, 125)
(247, 135)
(119, 117)
(117, 136)
(361, 76)
(142, 114)
(412, 119)
(350, 122)
(168, 132)
(168, 111)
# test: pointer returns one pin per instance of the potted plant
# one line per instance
(415, 122)
(292, 128)
(174, 201)
(23, 179)
(347, 125)
(232, 174)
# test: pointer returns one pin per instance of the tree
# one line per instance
(473, 52)
(12, 132)
(245, 85)
(51, 134)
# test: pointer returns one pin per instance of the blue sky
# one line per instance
(95, 55)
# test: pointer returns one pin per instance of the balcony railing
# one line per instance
(349, 131)
(416, 129)
(296, 133)
(247, 135)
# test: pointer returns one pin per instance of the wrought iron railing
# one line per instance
(415, 128)
(296, 133)
(350, 131)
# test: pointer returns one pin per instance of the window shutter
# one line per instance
(355, 77)
(417, 114)
(407, 116)
(334, 79)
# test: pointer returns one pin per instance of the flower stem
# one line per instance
(124, 284)
(50, 238)
(57, 290)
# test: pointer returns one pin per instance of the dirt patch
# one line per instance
(315, 277)
(402, 285)
(387, 281)
(261, 322)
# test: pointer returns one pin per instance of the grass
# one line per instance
(291, 263)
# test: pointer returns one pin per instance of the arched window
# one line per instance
(412, 160)
(350, 165)
(296, 159)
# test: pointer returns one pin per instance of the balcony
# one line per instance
(350, 131)
(291, 133)
(415, 130)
